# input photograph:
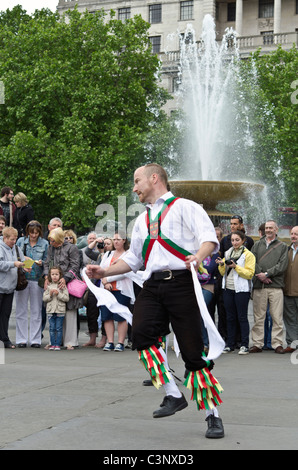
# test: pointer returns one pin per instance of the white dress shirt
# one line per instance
(186, 224)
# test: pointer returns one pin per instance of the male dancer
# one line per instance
(174, 233)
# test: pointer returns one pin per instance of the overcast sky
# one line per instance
(29, 5)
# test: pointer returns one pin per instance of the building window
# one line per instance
(266, 8)
(155, 43)
(124, 14)
(217, 11)
(268, 37)
(186, 10)
(231, 14)
(155, 13)
(176, 82)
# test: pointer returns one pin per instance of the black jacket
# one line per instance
(22, 216)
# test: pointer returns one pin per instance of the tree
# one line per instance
(81, 93)
(277, 77)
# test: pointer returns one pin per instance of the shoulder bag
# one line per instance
(22, 282)
(76, 287)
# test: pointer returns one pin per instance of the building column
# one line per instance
(277, 16)
(239, 17)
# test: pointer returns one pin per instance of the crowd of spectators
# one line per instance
(263, 271)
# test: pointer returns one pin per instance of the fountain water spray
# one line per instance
(217, 117)
(218, 134)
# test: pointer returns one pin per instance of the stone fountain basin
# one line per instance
(210, 193)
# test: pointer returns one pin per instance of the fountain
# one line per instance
(219, 142)
(210, 193)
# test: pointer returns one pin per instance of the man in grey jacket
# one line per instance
(271, 262)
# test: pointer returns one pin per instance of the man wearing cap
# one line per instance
(172, 234)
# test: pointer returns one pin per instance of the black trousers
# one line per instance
(92, 313)
(169, 301)
(5, 311)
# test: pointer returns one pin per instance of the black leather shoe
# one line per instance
(35, 345)
(147, 382)
(215, 427)
(169, 406)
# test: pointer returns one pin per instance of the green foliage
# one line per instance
(81, 93)
(277, 73)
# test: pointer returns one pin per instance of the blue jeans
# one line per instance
(236, 305)
(56, 329)
(267, 329)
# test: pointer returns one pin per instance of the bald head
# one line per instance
(150, 182)
(154, 168)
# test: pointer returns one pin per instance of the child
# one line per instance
(55, 300)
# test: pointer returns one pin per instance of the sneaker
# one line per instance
(119, 347)
(109, 347)
(227, 350)
(57, 348)
(243, 350)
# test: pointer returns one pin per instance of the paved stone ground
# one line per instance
(88, 399)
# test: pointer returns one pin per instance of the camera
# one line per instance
(230, 261)
(100, 245)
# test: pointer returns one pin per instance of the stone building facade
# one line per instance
(258, 23)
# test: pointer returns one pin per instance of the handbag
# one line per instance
(22, 282)
(76, 287)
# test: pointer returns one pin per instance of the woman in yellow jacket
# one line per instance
(237, 269)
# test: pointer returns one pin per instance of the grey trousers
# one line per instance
(33, 295)
(291, 320)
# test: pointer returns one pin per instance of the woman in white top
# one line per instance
(237, 269)
(122, 288)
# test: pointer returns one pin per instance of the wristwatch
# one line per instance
(266, 274)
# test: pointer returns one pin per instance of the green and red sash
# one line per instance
(155, 234)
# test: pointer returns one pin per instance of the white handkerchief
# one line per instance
(216, 343)
(104, 297)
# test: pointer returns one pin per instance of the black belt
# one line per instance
(167, 274)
